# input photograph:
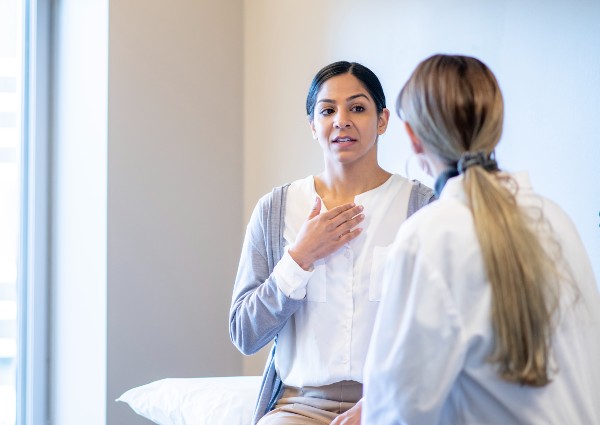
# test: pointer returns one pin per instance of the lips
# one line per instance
(343, 140)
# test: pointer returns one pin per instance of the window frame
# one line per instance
(33, 268)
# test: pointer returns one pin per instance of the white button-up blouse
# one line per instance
(326, 340)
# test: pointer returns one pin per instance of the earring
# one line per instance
(417, 162)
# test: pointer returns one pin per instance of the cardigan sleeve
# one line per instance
(420, 196)
(259, 309)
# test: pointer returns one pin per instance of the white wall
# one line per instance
(174, 190)
(147, 201)
(546, 55)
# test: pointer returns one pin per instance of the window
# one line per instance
(11, 101)
(24, 38)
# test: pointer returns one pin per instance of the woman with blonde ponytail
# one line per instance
(491, 313)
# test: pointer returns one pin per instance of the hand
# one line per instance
(322, 234)
(351, 416)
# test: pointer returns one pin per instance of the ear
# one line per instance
(382, 121)
(416, 144)
(312, 128)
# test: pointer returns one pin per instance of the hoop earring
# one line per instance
(420, 161)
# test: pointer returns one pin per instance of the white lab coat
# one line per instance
(428, 359)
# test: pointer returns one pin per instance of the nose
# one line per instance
(342, 120)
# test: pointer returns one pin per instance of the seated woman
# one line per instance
(310, 269)
(491, 313)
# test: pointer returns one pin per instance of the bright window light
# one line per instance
(11, 95)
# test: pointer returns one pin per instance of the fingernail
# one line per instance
(360, 208)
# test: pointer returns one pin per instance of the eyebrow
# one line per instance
(347, 100)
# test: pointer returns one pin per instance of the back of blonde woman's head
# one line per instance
(454, 107)
(453, 104)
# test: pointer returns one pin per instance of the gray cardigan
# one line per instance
(259, 309)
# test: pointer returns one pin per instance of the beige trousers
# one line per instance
(313, 405)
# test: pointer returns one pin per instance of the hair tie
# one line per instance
(469, 159)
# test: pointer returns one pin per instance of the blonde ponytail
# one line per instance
(520, 273)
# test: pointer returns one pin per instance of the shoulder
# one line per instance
(276, 198)
(267, 217)
(438, 223)
(273, 198)
(420, 196)
(416, 187)
(442, 239)
(540, 207)
(423, 192)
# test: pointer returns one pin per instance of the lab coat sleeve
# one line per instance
(416, 351)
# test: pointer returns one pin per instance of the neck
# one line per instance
(339, 185)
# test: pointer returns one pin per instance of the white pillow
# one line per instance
(196, 401)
